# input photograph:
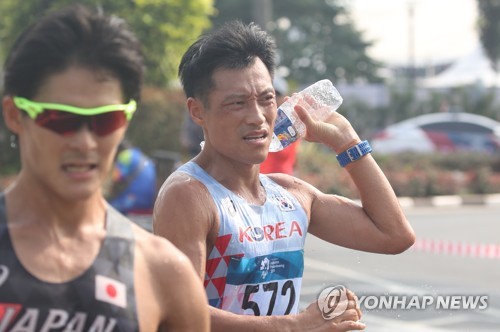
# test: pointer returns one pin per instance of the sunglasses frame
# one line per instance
(34, 108)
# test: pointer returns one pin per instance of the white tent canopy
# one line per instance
(472, 69)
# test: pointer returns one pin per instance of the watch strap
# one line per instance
(354, 153)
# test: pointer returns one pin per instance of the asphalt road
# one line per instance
(451, 259)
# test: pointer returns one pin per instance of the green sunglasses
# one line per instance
(66, 119)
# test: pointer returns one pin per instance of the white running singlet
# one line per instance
(256, 264)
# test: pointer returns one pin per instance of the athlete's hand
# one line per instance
(336, 131)
(312, 319)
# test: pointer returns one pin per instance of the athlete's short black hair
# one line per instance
(232, 46)
(79, 36)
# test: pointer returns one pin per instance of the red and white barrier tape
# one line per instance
(456, 248)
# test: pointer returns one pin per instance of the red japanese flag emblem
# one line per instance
(111, 291)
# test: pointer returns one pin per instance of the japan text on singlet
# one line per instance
(256, 264)
(101, 299)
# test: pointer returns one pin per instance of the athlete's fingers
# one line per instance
(349, 326)
(350, 314)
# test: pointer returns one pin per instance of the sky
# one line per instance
(443, 30)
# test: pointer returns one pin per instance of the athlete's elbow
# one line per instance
(401, 242)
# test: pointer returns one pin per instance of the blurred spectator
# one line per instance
(284, 160)
(134, 181)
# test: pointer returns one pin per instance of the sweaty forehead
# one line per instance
(252, 80)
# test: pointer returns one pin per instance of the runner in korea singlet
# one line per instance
(101, 299)
(256, 265)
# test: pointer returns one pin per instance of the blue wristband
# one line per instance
(354, 153)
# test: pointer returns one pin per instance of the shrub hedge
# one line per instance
(410, 174)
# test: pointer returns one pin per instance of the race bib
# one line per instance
(265, 285)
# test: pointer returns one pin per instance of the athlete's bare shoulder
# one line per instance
(302, 190)
(180, 183)
(167, 285)
(183, 200)
(158, 253)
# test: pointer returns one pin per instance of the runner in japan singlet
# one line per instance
(256, 264)
(101, 299)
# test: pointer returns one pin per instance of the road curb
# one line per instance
(450, 200)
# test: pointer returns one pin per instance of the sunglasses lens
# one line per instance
(105, 123)
(65, 123)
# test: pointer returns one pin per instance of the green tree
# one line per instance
(489, 30)
(165, 27)
(316, 39)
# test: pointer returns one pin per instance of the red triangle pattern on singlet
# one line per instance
(214, 279)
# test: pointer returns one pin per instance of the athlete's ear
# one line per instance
(196, 110)
(12, 115)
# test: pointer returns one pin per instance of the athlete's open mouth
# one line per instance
(78, 168)
(256, 136)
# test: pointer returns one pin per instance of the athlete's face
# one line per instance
(70, 166)
(241, 113)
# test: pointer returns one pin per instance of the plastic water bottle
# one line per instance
(321, 99)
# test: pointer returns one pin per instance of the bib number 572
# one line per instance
(269, 287)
